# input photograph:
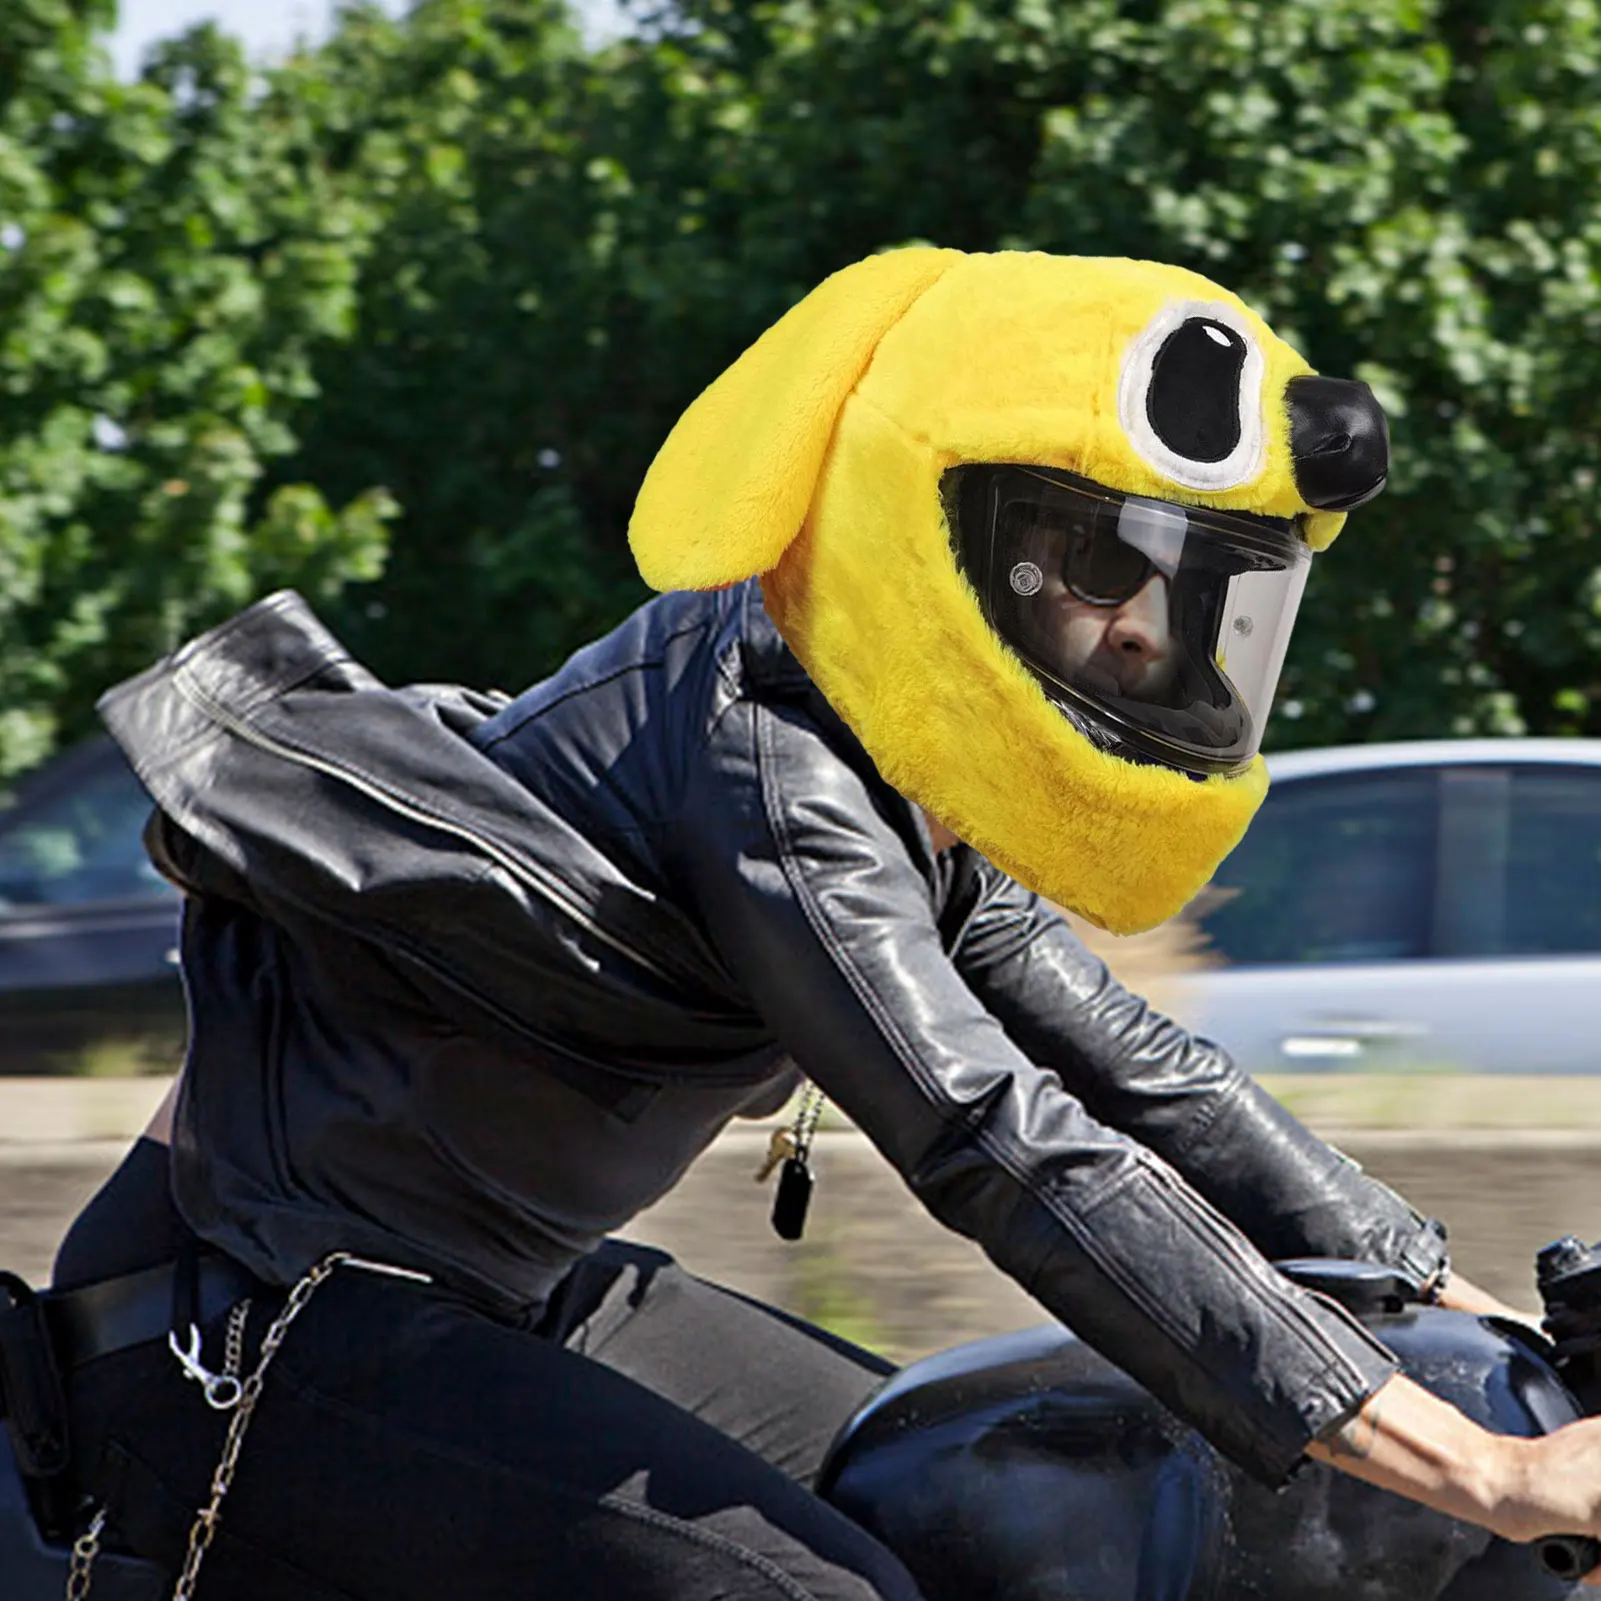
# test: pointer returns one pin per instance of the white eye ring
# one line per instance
(1244, 462)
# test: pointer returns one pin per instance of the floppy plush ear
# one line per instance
(731, 487)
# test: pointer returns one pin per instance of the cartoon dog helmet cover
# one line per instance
(1038, 527)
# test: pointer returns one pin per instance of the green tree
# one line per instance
(466, 259)
(171, 252)
(1409, 191)
(579, 243)
(482, 305)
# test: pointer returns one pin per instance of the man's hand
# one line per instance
(1564, 1467)
(1408, 1440)
(1461, 1296)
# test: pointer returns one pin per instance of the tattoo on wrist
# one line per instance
(1358, 1437)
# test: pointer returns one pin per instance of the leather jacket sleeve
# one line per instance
(1181, 1096)
(810, 892)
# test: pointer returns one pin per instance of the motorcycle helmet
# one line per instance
(1037, 527)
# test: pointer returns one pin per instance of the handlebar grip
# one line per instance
(1569, 1556)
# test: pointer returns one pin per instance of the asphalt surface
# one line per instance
(875, 1267)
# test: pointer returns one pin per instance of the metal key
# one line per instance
(780, 1148)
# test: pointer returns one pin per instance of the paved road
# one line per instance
(877, 1268)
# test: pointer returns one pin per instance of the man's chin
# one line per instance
(1145, 683)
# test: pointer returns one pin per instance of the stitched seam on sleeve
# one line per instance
(1254, 1274)
(1070, 1222)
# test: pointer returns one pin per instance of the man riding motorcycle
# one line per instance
(472, 982)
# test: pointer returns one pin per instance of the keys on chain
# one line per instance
(789, 1151)
(779, 1149)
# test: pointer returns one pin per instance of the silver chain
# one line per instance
(225, 1393)
(222, 1391)
(204, 1528)
(233, 1355)
(807, 1119)
(80, 1572)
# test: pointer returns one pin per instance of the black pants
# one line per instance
(654, 1443)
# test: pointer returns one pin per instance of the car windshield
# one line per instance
(77, 840)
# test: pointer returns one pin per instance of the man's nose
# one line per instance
(1139, 626)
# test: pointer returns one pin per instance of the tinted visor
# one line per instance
(1168, 622)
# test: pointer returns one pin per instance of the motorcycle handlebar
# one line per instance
(1570, 1556)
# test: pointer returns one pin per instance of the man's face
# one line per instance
(1128, 643)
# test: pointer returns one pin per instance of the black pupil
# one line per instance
(1193, 403)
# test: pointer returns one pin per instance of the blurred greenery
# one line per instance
(402, 321)
(826, 1289)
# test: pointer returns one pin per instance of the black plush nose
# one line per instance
(1339, 441)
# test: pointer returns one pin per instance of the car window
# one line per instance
(1337, 869)
(81, 843)
(1553, 863)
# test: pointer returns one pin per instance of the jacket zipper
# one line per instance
(551, 890)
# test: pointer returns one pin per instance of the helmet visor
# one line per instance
(1168, 622)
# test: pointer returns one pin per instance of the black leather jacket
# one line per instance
(473, 981)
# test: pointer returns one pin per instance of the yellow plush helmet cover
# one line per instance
(816, 459)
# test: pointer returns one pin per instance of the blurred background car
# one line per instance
(1405, 907)
(1426, 905)
(88, 929)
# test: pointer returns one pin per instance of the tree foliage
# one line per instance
(170, 254)
(478, 387)
(468, 262)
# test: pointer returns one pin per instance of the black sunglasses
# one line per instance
(1099, 569)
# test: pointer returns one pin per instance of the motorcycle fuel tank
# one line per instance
(1028, 1468)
